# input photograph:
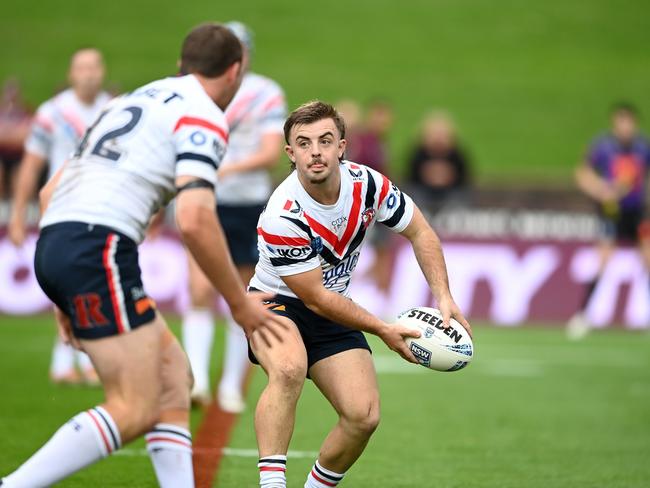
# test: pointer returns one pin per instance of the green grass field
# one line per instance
(532, 411)
(529, 84)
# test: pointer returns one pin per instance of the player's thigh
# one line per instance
(201, 290)
(349, 382)
(644, 249)
(129, 365)
(286, 355)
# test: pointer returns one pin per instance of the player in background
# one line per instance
(164, 139)
(310, 236)
(615, 174)
(58, 127)
(255, 116)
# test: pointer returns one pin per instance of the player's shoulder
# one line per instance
(261, 82)
(55, 103)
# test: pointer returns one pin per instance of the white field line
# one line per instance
(226, 451)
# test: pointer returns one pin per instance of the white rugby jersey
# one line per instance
(59, 125)
(126, 166)
(298, 234)
(259, 108)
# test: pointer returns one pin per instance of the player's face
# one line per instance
(624, 126)
(316, 149)
(87, 72)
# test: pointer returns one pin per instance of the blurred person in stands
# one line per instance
(256, 118)
(439, 166)
(368, 145)
(15, 120)
(614, 175)
(57, 129)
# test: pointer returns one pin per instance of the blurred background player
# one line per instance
(58, 127)
(368, 145)
(614, 174)
(256, 117)
(161, 141)
(15, 122)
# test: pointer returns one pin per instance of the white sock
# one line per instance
(170, 450)
(62, 359)
(320, 477)
(235, 360)
(83, 440)
(198, 333)
(273, 471)
(83, 360)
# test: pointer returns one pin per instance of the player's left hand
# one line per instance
(449, 310)
(64, 327)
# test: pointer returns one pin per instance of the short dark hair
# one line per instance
(311, 112)
(209, 50)
(626, 108)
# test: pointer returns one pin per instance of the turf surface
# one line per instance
(532, 411)
(530, 84)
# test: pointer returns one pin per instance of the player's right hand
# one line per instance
(16, 231)
(254, 315)
(394, 334)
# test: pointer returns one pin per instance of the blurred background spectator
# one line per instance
(439, 169)
(369, 142)
(15, 119)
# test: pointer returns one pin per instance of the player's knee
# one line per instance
(362, 420)
(201, 294)
(289, 374)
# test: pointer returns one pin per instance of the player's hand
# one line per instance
(394, 334)
(16, 231)
(225, 170)
(65, 329)
(253, 315)
(449, 309)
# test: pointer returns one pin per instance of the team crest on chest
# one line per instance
(367, 216)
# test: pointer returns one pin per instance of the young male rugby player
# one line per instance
(310, 236)
(164, 139)
(58, 127)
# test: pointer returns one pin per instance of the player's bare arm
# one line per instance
(428, 252)
(28, 173)
(204, 238)
(594, 185)
(266, 157)
(309, 288)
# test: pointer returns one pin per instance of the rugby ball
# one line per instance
(438, 348)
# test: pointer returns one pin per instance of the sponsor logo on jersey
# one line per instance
(198, 138)
(367, 216)
(294, 252)
(297, 209)
(317, 244)
(421, 354)
(338, 223)
(342, 270)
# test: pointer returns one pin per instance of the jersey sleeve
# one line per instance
(41, 135)
(596, 154)
(200, 144)
(395, 208)
(288, 247)
(272, 110)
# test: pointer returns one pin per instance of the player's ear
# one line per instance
(342, 145)
(290, 153)
(234, 71)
